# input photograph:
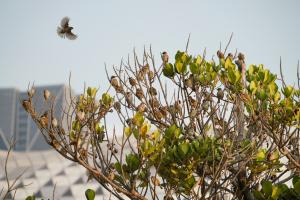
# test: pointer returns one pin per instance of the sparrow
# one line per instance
(142, 107)
(220, 94)
(44, 120)
(165, 57)
(54, 122)
(241, 62)
(46, 94)
(64, 30)
(26, 104)
(132, 81)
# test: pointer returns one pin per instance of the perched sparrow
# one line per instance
(178, 107)
(54, 122)
(241, 65)
(139, 93)
(31, 92)
(80, 115)
(220, 54)
(165, 57)
(64, 30)
(114, 82)
(220, 94)
(155, 181)
(26, 104)
(117, 106)
(188, 82)
(46, 94)
(44, 120)
(157, 114)
(132, 81)
(142, 107)
(129, 98)
(230, 55)
(152, 91)
(164, 110)
(151, 75)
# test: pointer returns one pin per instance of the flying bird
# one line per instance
(64, 30)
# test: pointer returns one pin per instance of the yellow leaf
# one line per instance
(127, 131)
(144, 130)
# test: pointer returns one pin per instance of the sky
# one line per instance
(31, 51)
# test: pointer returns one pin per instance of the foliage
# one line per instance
(89, 194)
(222, 131)
(278, 191)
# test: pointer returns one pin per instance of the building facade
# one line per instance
(16, 123)
(8, 115)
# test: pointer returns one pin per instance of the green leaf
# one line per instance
(261, 75)
(266, 76)
(261, 155)
(183, 149)
(184, 57)
(258, 195)
(99, 129)
(133, 162)
(297, 93)
(202, 79)
(238, 76)
(30, 198)
(135, 133)
(72, 135)
(296, 179)
(168, 70)
(198, 60)
(273, 88)
(138, 119)
(231, 76)
(275, 192)
(178, 56)
(252, 69)
(169, 133)
(76, 125)
(107, 100)
(144, 129)
(194, 68)
(127, 131)
(180, 67)
(267, 188)
(277, 97)
(190, 182)
(118, 167)
(91, 92)
(155, 135)
(297, 187)
(253, 87)
(90, 194)
(196, 145)
(287, 91)
(229, 64)
(262, 95)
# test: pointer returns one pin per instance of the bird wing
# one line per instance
(65, 22)
(71, 36)
(60, 32)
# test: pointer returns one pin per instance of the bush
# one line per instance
(192, 128)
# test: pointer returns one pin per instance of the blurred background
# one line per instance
(108, 31)
(30, 49)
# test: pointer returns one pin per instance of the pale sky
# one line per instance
(30, 49)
